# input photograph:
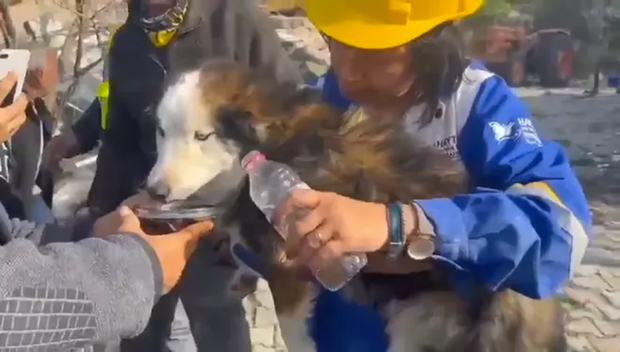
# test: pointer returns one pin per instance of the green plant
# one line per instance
(495, 8)
(490, 11)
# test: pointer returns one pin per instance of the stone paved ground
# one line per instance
(264, 330)
(590, 130)
(593, 297)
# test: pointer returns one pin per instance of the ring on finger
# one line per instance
(316, 239)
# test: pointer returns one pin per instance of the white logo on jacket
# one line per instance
(514, 130)
(503, 132)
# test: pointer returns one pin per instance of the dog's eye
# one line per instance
(199, 136)
(160, 131)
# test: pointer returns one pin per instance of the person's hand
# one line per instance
(153, 227)
(14, 115)
(173, 249)
(331, 225)
(62, 146)
(138, 199)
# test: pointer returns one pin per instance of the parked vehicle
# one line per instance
(517, 52)
(551, 41)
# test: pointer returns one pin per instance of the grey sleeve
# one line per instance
(257, 44)
(68, 295)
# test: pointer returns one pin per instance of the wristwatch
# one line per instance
(421, 244)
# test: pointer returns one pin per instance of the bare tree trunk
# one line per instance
(7, 26)
(85, 23)
(80, 7)
(80, 24)
(73, 40)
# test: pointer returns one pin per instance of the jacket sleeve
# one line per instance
(257, 45)
(525, 224)
(87, 128)
(71, 294)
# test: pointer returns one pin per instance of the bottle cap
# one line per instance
(251, 159)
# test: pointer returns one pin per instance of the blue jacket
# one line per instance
(524, 224)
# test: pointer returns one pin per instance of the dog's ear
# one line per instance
(237, 126)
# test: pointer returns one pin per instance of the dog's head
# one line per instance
(209, 118)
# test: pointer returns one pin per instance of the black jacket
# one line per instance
(87, 129)
(232, 29)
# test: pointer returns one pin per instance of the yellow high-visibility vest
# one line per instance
(103, 92)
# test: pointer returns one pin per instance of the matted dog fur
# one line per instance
(211, 117)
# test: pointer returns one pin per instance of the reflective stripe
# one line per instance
(102, 95)
(567, 221)
(103, 92)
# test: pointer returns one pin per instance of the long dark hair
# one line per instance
(439, 63)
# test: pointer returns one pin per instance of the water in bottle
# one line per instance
(270, 184)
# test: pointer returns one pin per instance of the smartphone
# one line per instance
(17, 61)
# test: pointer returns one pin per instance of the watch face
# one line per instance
(421, 248)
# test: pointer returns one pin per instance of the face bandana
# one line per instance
(162, 38)
(161, 19)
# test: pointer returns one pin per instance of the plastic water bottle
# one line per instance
(270, 184)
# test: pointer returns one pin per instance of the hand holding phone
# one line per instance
(15, 61)
(13, 113)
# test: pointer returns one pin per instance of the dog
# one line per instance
(211, 117)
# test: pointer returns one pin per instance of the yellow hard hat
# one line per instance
(383, 24)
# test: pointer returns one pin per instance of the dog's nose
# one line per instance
(159, 191)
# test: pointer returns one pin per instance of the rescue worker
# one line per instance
(523, 226)
(160, 39)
